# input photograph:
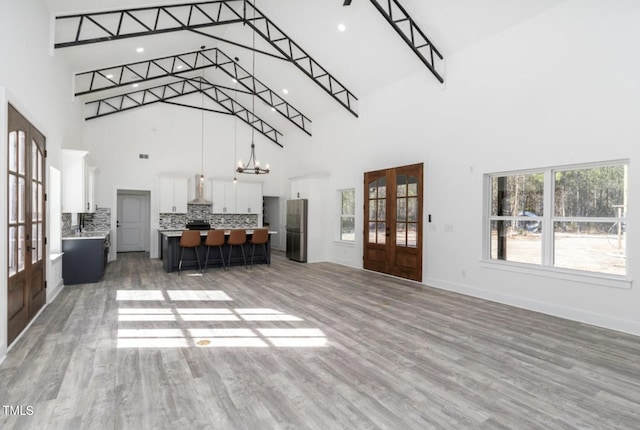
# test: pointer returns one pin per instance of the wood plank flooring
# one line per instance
(308, 346)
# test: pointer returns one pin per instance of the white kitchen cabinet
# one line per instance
(78, 182)
(223, 196)
(300, 188)
(236, 198)
(217, 197)
(229, 198)
(89, 189)
(173, 195)
(249, 198)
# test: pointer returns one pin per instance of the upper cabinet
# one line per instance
(248, 198)
(223, 196)
(173, 195)
(78, 181)
(236, 198)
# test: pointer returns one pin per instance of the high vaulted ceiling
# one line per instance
(367, 56)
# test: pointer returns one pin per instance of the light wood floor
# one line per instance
(363, 351)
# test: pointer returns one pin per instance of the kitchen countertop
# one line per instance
(87, 235)
(178, 233)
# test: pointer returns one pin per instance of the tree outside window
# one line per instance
(347, 214)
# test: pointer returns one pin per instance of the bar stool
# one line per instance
(189, 239)
(260, 237)
(214, 238)
(237, 237)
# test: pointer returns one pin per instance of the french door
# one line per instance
(393, 221)
(26, 223)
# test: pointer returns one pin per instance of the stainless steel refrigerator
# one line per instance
(297, 230)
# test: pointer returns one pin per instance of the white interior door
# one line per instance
(132, 222)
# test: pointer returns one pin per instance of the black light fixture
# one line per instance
(253, 165)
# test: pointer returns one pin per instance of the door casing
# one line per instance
(132, 221)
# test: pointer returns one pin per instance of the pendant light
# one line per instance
(253, 165)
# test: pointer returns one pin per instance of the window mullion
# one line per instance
(547, 221)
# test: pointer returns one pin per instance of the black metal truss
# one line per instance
(407, 28)
(127, 74)
(163, 93)
(303, 61)
(121, 24)
(104, 26)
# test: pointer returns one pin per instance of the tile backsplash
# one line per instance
(68, 227)
(195, 211)
(100, 220)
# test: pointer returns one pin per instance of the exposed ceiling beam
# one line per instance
(162, 93)
(407, 28)
(142, 71)
(303, 61)
(79, 29)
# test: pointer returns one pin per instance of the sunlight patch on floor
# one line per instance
(213, 335)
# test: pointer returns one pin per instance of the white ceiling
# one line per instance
(368, 56)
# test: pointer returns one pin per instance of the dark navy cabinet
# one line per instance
(84, 260)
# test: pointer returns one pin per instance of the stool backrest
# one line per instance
(238, 237)
(190, 239)
(215, 238)
(260, 236)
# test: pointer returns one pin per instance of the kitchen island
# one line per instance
(85, 257)
(171, 252)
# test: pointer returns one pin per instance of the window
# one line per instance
(347, 214)
(568, 217)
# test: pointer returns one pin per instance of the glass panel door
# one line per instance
(26, 221)
(393, 203)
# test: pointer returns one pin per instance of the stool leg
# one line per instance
(266, 256)
(230, 252)
(180, 263)
(253, 251)
(198, 258)
(206, 261)
(243, 257)
(222, 258)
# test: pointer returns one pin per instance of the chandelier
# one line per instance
(253, 165)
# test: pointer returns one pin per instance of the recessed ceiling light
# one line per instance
(179, 66)
(135, 85)
(273, 109)
(139, 50)
(286, 91)
(109, 76)
(342, 27)
(234, 80)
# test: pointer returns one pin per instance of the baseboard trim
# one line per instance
(26, 329)
(347, 263)
(565, 312)
(55, 291)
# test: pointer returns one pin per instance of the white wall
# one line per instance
(39, 87)
(558, 89)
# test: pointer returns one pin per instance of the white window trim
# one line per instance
(546, 268)
(340, 216)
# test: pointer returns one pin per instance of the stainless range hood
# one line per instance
(200, 200)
